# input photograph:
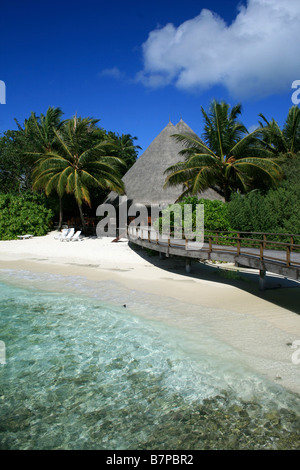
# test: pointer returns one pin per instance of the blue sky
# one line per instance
(134, 65)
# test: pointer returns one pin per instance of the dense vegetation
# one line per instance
(276, 210)
(273, 211)
(215, 215)
(227, 158)
(51, 169)
(24, 214)
(257, 174)
(74, 162)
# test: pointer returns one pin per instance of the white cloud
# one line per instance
(256, 55)
(113, 72)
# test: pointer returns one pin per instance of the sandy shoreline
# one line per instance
(262, 326)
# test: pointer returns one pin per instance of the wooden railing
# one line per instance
(261, 241)
(260, 245)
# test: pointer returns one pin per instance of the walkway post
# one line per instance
(262, 279)
(288, 255)
(188, 265)
(239, 244)
(261, 250)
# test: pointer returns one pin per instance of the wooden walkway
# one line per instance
(248, 249)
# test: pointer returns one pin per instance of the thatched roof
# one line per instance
(144, 181)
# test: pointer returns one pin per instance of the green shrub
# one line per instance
(274, 212)
(215, 215)
(26, 213)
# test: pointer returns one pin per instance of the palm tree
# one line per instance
(38, 136)
(42, 130)
(125, 148)
(38, 131)
(77, 164)
(285, 141)
(227, 159)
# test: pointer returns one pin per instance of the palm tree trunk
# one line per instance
(227, 192)
(60, 213)
(227, 196)
(81, 217)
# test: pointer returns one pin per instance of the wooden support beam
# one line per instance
(262, 279)
(239, 244)
(188, 263)
(288, 256)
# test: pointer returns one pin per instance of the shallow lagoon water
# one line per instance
(83, 372)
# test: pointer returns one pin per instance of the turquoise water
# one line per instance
(83, 373)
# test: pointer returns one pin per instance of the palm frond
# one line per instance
(194, 143)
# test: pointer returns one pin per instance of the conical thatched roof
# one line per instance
(144, 181)
(183, 128)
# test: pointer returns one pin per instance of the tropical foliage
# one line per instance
(215, 214)
(39, 131)
(227, 158)
(282, 141)
(27, 160)
(276, 211)
(40, 137)
(273, 211)
(69, 160)
(124, 148)
(24, 214)
(77, 163)
(14, 175)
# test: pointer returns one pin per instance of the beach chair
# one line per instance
(63, 234)
(68, 236)
(76, 238)
(25, 237)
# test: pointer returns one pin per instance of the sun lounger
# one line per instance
(76, 238)
(24, 237)
(69, 235)
(62, 234)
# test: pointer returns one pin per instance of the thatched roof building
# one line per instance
(144, 181)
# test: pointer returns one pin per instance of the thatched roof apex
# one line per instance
(183, 128)
(144, 181)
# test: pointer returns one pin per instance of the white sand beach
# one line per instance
(261, 326)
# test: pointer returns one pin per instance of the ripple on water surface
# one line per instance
(83, 374)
